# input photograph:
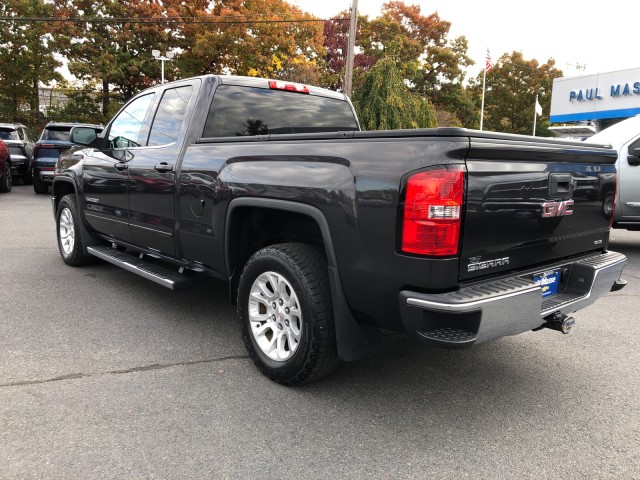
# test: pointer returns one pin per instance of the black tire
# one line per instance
(68, 230)
(27, 176)
(39, 186)
(6, 181)
(304, 268)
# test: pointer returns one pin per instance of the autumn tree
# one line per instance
(27, 57)
(336, 37)
(384, 102)
(510, 95)
(266, 38)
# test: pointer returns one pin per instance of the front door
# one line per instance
(106, 171)
(629, 179)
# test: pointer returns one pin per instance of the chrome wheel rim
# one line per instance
(67, 232)
(607, 206)
(275, 316)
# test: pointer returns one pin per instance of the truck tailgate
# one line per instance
(530, 203)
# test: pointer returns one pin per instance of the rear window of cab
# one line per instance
(244, 111)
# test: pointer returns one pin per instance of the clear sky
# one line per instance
(603, 36)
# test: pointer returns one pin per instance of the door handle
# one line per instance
(163, 167)
(121, 166)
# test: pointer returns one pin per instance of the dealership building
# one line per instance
(582, 106)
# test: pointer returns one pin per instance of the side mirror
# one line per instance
(634, 156)
(83, 135)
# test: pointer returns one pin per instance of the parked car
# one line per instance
(53, 141)
(624, 137)
(6, 180)
(17, 138)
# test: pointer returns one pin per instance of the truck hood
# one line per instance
(616, 135)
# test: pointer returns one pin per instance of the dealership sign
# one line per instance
(596, 97)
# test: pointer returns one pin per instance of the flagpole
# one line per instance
(484, 78)
(535, 115)
(487, 66)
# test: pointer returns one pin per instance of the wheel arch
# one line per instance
(354, 340)
(242, 205)
(60, 187)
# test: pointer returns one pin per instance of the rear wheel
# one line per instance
(39, 186)
(27, 176)
(286, 316)
(6, 181)
(69, 238)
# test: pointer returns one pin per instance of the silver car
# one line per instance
(20, 144)
(625, 138)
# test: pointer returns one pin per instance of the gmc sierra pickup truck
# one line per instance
(328, 235)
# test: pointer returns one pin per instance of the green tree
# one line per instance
(510, 94)
(28, 58)
(433, 64)
(113, 52)
(384, 102)
(82, 104)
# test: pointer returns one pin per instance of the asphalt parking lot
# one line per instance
(104, 375)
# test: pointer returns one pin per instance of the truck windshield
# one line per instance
(243, 111)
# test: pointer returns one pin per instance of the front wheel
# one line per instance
(286, 316)
(69, 238)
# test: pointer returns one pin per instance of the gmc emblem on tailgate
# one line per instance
(557, 209)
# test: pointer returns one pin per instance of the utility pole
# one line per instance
(348, 74)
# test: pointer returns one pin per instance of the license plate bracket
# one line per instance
(548, 282)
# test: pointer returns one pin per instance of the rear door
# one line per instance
(25, 136)
(529, 203)
(153, 169)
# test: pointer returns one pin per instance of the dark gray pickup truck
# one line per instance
(328, 235)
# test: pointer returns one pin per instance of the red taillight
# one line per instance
(432, 209)
(288, 87)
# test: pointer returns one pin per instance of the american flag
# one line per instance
(488, 64)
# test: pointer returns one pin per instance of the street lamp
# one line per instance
(167, 56)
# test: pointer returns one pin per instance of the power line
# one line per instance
(156, 20)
